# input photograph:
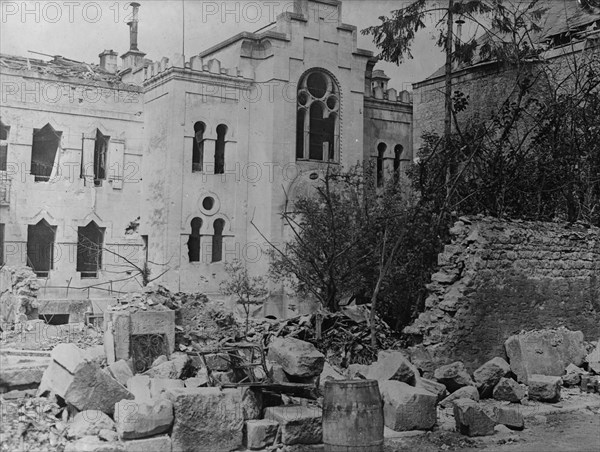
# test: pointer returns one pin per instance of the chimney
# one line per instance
(108, 61)
(133, 27)
(133, 57)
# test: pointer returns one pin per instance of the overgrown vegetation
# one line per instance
(533, 154)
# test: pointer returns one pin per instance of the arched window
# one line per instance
(397, 156)
(194, 240)
(100, 151)
(220, 149)
(317, 119)
(198, 147)
(90, 240)
(43, 152)
(381, 147)
(40, 247)
(217, 240)
(4, 130)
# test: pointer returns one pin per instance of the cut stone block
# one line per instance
(544, 388)
(471, 419)
(207, 416)
(159, 385)
(89, 423)
(139, 386)
(545, 352)
(108, 435)
(140, 420)
(393, 366)
(466, 392)
(329, 373)
(406, 407)
(434, 387)
(217, 362)
(196, 382)
(453, 376)
(156, 444)
(164, 370)
(509, 390)
(357, 371)
(299, 424)
(298, 358)
(120, 371)
(180, 361)
(93, 444)
(260, 433)
(277, 373)
(489, 374)
(89, 388)
(512, 417)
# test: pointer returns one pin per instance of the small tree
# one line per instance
(249, 290)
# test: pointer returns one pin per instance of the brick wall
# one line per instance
(497, 278)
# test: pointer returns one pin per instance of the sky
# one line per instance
(81, 29)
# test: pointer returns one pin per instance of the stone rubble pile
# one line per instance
(180, 403)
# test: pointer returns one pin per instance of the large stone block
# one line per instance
(140, 420)
(466, 392)
(510, 416)
(120, 371)
(434, 387)
(88, 388)
(299, 424)
(509, 390)
(489, 374)
(406, 407)
(545, 352)
(298, 358)
(207, 417)
(156, 444)
(260, 433)
(391, 365)
(453, 376)
(544, 388)
(329, 373)
(94, 444)
(160, 385)
(89, 423)
(471, 419)
(139, 386)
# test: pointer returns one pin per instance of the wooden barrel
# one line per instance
(352, 416)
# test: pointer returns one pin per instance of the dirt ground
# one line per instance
(577, 431)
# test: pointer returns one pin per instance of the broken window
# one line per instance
(90, 241)
(43, 152)
(194, 240)
(397, 155)
(220, 149)
(1, 243)
(198, 147)
(4, 130)
(317, 125)
(217, 241)
(381, 147)
(100, 151)
(40, 248)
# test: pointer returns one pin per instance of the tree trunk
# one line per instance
(448, 98)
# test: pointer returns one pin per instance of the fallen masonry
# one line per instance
(227, 396)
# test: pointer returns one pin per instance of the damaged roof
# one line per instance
(59, 67)
(559, 18)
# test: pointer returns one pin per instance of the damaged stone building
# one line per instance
(179, 165)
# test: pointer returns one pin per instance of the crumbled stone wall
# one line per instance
(497, 278)
(18, 294)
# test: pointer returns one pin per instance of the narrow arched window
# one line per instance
(381, 147)
(397, 156)
(317, 118)
(198, 147)
(217, 240)
(43, 152)
(90, 242)
(220, 149)
(40, 247)
(194, 240)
